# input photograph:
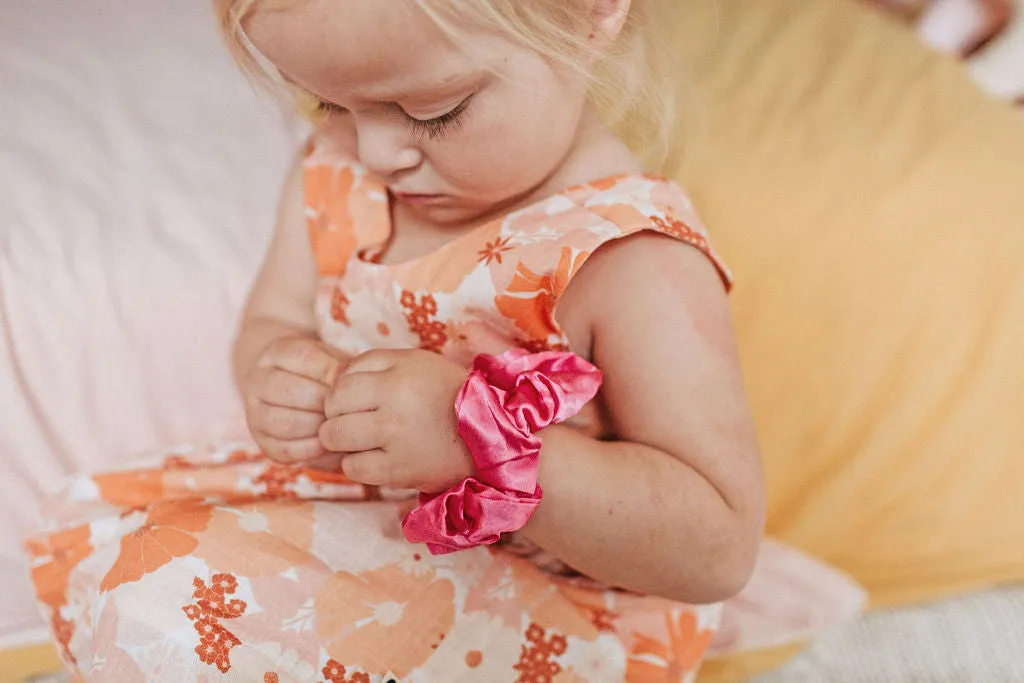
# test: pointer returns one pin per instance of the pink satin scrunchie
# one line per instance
(504, 402)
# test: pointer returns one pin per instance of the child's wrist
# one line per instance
(462, 468)
(501, 408)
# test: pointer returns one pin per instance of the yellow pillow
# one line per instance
(26, 663)
(871, 203)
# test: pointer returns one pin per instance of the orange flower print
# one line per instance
(178, 462)
(595, 605)
(62, 631)
(335, 673)
(131, 488)
(480, 647)
(279, 479)
(604, 184)
(328, 189)
(493, 250)
(419, 314)
(277, 536)
(212, 605)
(536, 663)
(540, 345)
(603, 620)
(652, 661)
(168, 533)
(676, 228)
(238, 457)
(511, 582)
(530, 298)
(63, 551)
(339, 307)
(385, 619)
(271, 677)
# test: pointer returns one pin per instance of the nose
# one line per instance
(386, 147)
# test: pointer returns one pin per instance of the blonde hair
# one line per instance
(634, 84)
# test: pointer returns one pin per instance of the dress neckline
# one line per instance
(369, 255)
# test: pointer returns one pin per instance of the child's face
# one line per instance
(454, 135)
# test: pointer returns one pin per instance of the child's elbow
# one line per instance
(732, 552)
(732, 573)
(729, 563)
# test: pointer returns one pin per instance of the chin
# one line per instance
(459, 212)
(445, 213)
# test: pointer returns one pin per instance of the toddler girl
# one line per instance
(465, 256)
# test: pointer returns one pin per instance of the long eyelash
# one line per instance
(433, 128)
(443, 125)
(325, 109)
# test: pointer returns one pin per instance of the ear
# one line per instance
(608, 18)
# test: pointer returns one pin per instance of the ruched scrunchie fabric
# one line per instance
(505, 401)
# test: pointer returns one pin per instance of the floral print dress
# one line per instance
(211, 563)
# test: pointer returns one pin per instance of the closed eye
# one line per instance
(442, 125)
(437, 127)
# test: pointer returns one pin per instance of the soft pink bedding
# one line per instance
(138, 178)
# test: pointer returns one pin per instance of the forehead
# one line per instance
(365, 48)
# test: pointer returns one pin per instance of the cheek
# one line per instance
(514, 142)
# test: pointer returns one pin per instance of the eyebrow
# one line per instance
(451, 83)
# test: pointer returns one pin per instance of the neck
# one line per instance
(597, 153)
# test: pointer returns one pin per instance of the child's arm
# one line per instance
(281, 301)
(281, 369)
(675, 506)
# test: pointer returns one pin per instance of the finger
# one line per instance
(352, 433)
(306, 358)
(353, 394)
(377, 360)
(285, 423)
(373, 468)
(289, 452)
(287, 390)
(330, 462)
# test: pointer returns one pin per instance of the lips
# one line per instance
(416, 197)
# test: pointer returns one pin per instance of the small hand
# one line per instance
(391, 420)
(284, 397)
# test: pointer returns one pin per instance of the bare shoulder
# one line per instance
(653, 314)
(652, 282)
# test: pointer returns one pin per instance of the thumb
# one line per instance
(312, 360)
